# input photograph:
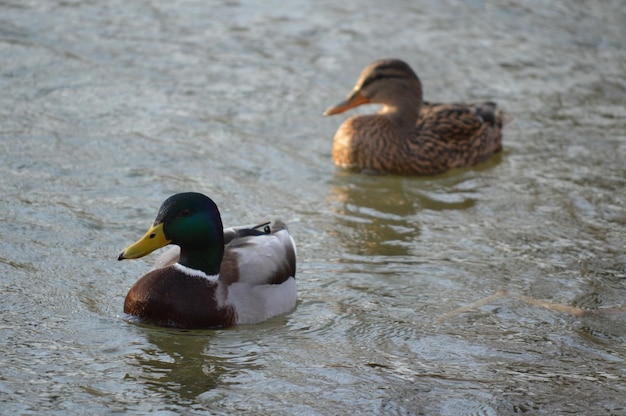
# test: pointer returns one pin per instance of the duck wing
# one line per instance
(456, 121)
(262, 254)
(246, 230)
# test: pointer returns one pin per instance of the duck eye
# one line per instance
(185, 213)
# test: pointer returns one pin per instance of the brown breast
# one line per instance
(168, 297)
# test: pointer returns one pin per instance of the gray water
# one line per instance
(109, 107)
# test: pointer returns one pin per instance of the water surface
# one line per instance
(107, 108)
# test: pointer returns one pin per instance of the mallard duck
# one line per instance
(409, 136)
(218, 278)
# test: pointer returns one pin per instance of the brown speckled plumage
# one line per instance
(409, 136)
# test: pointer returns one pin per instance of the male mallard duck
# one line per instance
(409, 136)
(243, 275)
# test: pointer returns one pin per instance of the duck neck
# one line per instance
(404, 116)
(403, 107)
(207, 260)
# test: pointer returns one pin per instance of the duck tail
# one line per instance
(487, 111)
(505, 118)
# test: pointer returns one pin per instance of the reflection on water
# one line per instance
(179, 363)
(378, 212)
(375, 214)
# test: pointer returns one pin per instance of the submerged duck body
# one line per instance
(409, 136)
(215, 277)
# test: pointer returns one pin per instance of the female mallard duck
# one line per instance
(221, 278)
(409, 136)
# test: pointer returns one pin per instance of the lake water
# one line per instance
(107, 108)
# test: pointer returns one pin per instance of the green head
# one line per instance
(192, 221)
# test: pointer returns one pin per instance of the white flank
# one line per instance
(256, 303)
(262, 256)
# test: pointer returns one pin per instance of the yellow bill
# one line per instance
(152, 240)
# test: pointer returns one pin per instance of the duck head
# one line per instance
(390, 82)
(192, 221)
